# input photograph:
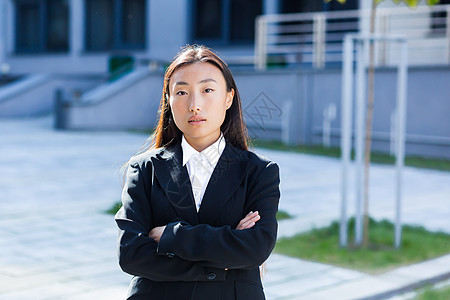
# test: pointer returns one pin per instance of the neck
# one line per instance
(201, 144)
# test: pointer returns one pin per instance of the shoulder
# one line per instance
(262, 166)
(259, 160)
(143, 160)
(255, 163)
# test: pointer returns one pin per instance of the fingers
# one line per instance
(249, 221)
(156, 233)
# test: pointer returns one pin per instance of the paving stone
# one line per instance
(56, 242)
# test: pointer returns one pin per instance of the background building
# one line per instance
(78, 36)
(103, 60)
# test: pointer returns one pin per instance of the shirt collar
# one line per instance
(212, 152)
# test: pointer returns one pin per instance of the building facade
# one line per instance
(62, 52)
(79, 36)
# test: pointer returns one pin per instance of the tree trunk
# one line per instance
(369, 117)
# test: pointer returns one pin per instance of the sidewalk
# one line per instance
(57, 243)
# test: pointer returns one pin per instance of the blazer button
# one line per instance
(170, 254)
(211, 276)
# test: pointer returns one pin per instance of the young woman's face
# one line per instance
(199, 100)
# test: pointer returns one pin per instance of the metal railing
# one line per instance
(315, 39)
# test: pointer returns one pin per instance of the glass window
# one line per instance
(42, 26)
(348, 5)
(28, 29)
(296, 6)
(99, 24)
(439, 21)
(133, 17)
(57, 25)
(225, 21)
(115, 24)
(243, 15)
(208, 19)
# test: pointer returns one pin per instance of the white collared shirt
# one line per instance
(200, 165)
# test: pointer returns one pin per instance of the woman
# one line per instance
(198, 215)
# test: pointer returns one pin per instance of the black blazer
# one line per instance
(195, 249)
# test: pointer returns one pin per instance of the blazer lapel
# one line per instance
(174, 180)
(225, 179)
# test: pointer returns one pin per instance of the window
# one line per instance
(439, 20)
(225, 21)
(296, 6)
(42, 26)
(133, 16)
(115, 24)
(208, 23)
(99, 24)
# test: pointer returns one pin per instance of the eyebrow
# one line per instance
(201, 81)
(207, 80)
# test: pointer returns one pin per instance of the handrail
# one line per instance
(108, 89)
(316, 37)
(22, 85)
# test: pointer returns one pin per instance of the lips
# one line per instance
(196, 120)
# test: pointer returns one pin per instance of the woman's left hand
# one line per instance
(248, 222)
(156, 233)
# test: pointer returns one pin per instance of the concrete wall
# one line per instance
(428, 108)
(266, 97)
(34, 95)
(132, 107)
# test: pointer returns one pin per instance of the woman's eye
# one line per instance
(181, 93)
(208, 90)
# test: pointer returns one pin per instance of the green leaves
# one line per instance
(432, 2)
(340, 1)
(414, 3)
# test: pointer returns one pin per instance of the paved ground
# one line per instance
(57, 243)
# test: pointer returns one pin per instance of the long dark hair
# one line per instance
(233, 127)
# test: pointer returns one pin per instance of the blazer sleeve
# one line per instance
(226, 247)
(137, 251)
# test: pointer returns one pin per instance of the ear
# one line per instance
(230, 97)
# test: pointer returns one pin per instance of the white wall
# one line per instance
(134, 107)
(169, 27)
(35, 95)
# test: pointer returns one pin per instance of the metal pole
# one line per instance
(346, 127)
(319, 40)
(286, 121)
(260, 53)
(3, 38)
(59, 120)
(360, 117)
(401, 130)
(448, 34)
(393, 134)
(257, 42)
(326, 128)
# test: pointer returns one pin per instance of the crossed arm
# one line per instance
(247, 222)
(166, 253)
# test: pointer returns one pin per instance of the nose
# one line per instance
(194, 104)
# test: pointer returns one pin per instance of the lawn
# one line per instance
(376, 157)
(434, 294)
(322, 245)
(281, 215)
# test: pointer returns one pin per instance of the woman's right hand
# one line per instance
(249, 221)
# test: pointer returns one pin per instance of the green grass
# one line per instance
(434, 294)
(282, 215)
(113, 209)
(376, 157)
(322, 245)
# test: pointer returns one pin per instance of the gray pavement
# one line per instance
(56, 242)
